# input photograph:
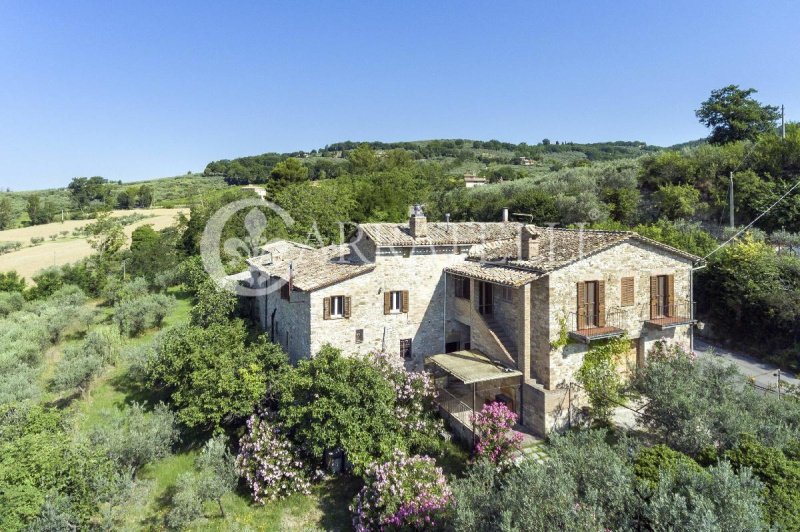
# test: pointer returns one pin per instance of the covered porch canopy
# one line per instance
(470, 368)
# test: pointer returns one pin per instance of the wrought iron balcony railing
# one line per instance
(587, 325)
(668, 315)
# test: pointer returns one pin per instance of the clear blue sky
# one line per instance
(135, 90)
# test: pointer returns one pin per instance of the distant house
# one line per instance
(526, 161)
(260, 192)
(472, 180)
(482, 305)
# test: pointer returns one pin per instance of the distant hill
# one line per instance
(167, 192)
(457, 155)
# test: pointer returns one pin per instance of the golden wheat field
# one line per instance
(30, 259)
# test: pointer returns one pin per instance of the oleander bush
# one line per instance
(269, 462)
(403, 493)
(495, 438)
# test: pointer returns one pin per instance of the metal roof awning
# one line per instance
(472, 366)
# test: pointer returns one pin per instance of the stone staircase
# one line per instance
(501, 335)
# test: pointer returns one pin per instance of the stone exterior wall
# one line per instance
(421, 273)
(637, 260)
(508, 314)
(530, 320)
(547, 397)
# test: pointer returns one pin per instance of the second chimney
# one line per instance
(505, 214)
(418, 223)
(529, 244)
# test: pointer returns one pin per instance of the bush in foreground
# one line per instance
(496, 441)
(268, 462)
(405, 493)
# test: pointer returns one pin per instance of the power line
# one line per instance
(757, 218)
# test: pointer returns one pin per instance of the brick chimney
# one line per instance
(529, 244)
(418, 223)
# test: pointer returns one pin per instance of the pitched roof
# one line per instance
(493, 273)
(311, 268)
(558, 248)
(440, 233)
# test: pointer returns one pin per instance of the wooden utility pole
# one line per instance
(730, 201)
(783, 124)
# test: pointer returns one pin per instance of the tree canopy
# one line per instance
(733, 114)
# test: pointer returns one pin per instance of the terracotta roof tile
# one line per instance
(312, 269)
(493, 273)
(441, 233)
(556, 247)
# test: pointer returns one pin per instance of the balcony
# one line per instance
(670, 315)
(590, 328)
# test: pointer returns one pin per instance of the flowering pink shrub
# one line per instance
(267, 462)
(495, 438)
(415, 394)
(405, 493)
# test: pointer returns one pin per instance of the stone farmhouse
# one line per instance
(498, 311)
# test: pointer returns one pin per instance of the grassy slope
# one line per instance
(167, 192)
(326, 508)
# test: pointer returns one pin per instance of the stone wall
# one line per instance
(291, 325)
(628, 259)
(421, 273)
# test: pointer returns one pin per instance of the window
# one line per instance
(662, 296)
(626, 292)
(462, 287)
(507, 293)
(337, 306)
(359, 336)
(591, 311)
(285, 291)
(405, 348)
(395, 302)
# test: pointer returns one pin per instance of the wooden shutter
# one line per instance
(581, 313)
(653, 296)
(326, 308)
(670, 295)
(404, 301)
(387, 302)
(601, 303)
(626, 291)
(346, 310)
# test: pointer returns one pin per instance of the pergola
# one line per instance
(472, 367)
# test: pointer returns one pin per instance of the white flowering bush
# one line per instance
(268, 462)
(405, 493)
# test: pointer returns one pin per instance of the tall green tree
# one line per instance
(84, 190)
(212, 376)
(39, 211)
(287, 172)
(144, 196)
(733, 114)
(362, 159)
(7, 213)
(106, 235)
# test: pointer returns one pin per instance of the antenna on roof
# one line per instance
(529, 216)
